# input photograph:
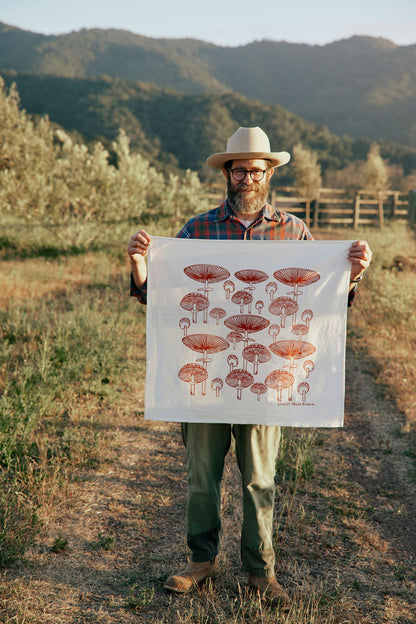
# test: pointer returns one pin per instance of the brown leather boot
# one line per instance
(194, 574)
(270, 590)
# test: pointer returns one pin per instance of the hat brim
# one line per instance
(277, 159)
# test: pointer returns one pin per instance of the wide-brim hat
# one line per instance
(248, 143)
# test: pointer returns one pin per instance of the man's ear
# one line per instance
(270, 172)
(225, 172)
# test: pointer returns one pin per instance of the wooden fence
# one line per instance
(339, 207)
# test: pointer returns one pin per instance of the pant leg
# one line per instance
(206, 447)
(257, 447)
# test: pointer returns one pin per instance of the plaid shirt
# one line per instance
(222, 224)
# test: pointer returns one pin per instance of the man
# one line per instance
(248, 165)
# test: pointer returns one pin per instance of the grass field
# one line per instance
(73, 346)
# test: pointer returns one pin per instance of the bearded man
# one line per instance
(248, 165)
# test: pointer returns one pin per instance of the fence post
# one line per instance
(380, 209)
(356, 210)
(316, 211)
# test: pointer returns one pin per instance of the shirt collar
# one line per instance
(268, 213)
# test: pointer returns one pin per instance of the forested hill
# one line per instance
(178, 130)
(360, 86)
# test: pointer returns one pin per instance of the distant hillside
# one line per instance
(178, 130)
(361, 86)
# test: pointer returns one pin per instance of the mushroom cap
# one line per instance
(258, 388)
(194, 299)
(246, 322)
(206, 273)
(217, 382)
(251, 276)
(257, 352)
(217, 312)
(296, 275)
(279, 379)
(303, 386)
(193, 372)
(296, 349)
(234, 335)
(283, 303)
(205, 342)
(239, 377)
(242, 296)
(299, 329)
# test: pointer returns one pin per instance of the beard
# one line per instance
(243, 202)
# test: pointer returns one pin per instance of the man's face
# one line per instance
(247, 196)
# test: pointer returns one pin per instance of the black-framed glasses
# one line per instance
(255, 174)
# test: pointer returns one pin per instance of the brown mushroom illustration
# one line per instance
(307, 316)
(234, 337)
(217, 314)
(257, 354)
(283, 307)
(232, 361)
(206, 274)
(258, 389)
(194, 302)
(242, 298)
(193, 374)
(299, 330)
(274, 331)
(308, 367)
(259, 305)
(184, 324)
(239, 379)
(229, 288)
(251, 277)
(280, 380)
(246, 324)
(217, 384)
(296, 276)
(291, 350)
(271, 289)
(303, 389)
(205, 343)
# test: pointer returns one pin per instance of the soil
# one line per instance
(346, 535)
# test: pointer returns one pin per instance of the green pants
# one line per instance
(256, 450)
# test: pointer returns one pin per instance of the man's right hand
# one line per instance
(137, 250)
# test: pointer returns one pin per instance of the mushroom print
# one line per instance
(280, 380)
(239, 378)
(259, 305)
(303, 389)
(229, 288)
(296, 277)
(251, 277)
(217, 314)
(217, 384)
(205, 343)
(291, 350)
(271, 289)
(256, 353)
(234, 337)
(307, 316)
(206, 274)
(258, 389)
(195, 302)
(193, 374)
(283, 307)
(232, 361)
(299, 330)
(246, 324)
(274, 331)
(308, 367)
(184, 324)
(242, 298)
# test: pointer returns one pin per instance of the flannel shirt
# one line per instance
(221, 223)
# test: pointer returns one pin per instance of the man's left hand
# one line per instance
(359, 255)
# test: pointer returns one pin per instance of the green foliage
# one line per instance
(375, 177)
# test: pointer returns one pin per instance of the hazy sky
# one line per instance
(227, 23)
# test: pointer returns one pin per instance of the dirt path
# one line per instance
(347, 535)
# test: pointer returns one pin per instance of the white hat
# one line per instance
(248, 143)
